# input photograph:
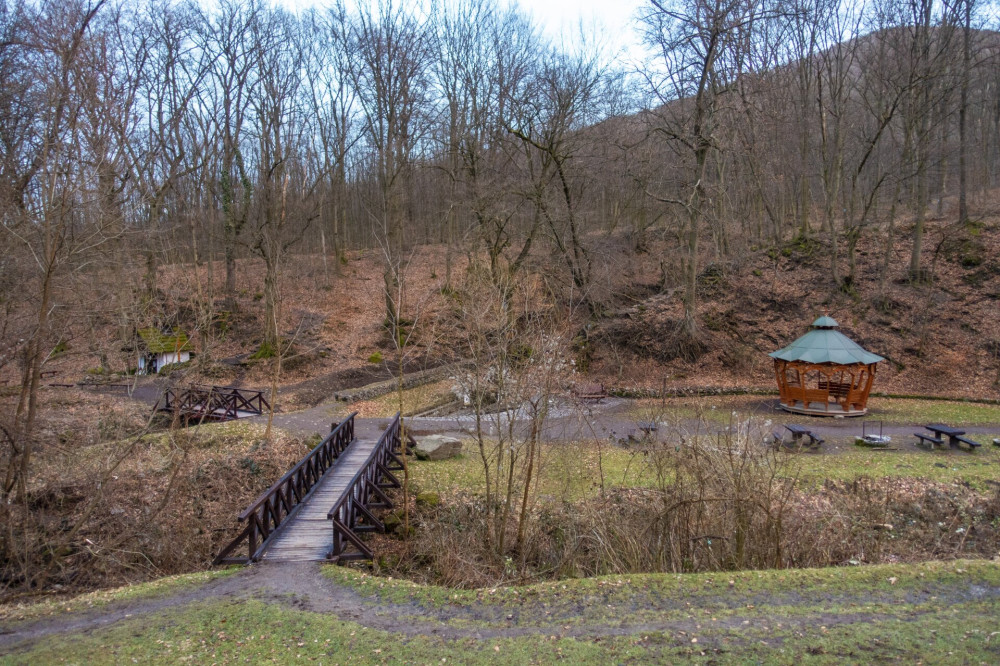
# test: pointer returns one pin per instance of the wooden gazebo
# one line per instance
(825, 373)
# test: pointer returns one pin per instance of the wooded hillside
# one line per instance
(223, 168)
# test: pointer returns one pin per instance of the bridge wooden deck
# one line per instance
(307, 535)
(319, 508)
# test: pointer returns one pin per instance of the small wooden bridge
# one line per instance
(319, 509)
(213, 403)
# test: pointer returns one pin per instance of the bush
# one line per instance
(171, 368)
(726, 502)
(265, 351)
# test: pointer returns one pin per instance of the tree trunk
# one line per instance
(963, 106)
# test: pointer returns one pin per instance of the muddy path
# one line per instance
(592, 615)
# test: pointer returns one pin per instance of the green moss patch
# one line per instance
(160, 587)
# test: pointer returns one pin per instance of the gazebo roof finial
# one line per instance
(826, 321)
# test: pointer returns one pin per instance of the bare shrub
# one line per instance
(724, 502)
(123, 506)
(890, 520)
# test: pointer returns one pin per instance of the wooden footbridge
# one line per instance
(212, 403)
(319, 509)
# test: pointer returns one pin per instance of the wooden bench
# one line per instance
(965, 440)
(837, 389)
(777, 438)
(931, 439)
(589, 392)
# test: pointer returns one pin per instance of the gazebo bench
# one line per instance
(971, 442)
(931, 439)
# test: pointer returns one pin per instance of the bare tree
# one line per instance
(226, 38)
(389, 48)
(331, 116)
(487, 56)
(42, 193)
(698, 43)
(562, 99)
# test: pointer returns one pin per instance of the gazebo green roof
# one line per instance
(823, 344)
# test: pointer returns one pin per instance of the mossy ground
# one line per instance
(926, 613)
(35, 609)
(580, 470)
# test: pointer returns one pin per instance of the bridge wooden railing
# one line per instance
(352, 514)
(214, 402)
(281, 500)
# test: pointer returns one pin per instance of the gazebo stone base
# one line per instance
(821, 409)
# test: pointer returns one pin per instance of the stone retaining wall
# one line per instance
(414, 379)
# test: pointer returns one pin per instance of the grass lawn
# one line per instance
(577, 470)
(981, 470)
(35, 609)
(566, 471)
(415, 400)
(719, 410)
(927, 613)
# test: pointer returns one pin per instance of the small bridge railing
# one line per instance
(214, 402)
(352, 514)
(280, 501)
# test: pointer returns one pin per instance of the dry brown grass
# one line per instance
(720, 504)
(112, 505)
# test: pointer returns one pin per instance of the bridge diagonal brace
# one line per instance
(375, 522)
(384, 501)
(223, 557)
(393, 481)
(348, 534)
(397, 463)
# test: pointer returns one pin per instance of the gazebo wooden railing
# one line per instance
(846, 387)
(352, 514)
(279, 502)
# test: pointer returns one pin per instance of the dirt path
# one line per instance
(302, 586)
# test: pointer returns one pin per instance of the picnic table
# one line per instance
(956, 437)
(798, 432)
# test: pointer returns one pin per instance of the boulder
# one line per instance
(391, 522)
(437, 447)
(428, 499)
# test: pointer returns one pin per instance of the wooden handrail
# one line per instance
(347, 424)
(286, 495)
(203, 401)
(356, 501)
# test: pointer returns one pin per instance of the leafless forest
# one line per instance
(140, 136)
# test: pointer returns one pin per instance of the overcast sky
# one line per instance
(612, 18)
(561, 19)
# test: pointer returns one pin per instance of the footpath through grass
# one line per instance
(931, 613)
(161, 587)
